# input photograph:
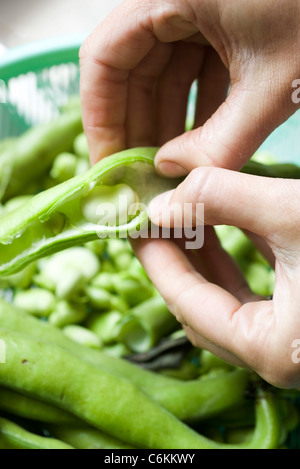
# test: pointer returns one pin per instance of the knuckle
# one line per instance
(199, 184)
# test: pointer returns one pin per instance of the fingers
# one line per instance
(229, 137)
(222, 269)
(106, 57)
(140, 115)
(216, 265)
(173, 90)
(262, 247)
(213, 317)
(116, 47)
(213, 85)
(264, 206)
(198, 341)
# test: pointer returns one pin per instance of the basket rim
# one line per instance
(37, 55)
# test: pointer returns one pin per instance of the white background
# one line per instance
(23, 21)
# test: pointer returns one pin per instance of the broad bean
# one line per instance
(53, 220)
(190, 400)
(86, 437)
(31, 155)
(78, 385)
(13, 436)
(145, 324)
(18, 404)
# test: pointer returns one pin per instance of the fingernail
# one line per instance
(170, 169)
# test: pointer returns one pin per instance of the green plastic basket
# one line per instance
(36, 81)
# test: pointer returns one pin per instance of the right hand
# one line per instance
(138, 65)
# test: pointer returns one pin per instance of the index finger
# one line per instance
(106, 57)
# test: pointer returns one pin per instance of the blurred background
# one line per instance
(22, 21)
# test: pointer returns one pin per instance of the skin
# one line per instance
(136, 72)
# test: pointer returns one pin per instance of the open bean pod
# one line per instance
(109, 200)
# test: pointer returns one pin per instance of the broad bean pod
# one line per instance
(13, 436)
(70, 213)
(18, 404)
(187, 400)
(30, 156)
(109, 200)
(86, 437)
(107, 401)
(273, 170)
(145, 324)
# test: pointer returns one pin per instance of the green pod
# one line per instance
(13, 436)
(85, 437)
(268, 168)
(22, 279)
(285, 170)
(18, 404)
(100, 398)
(145, 324)
(209, 361)
(104, 325)
(107, 401)
(236, 243)
(65, 216)
(239, 435)
(190, 400)
(256, 168)
(31, 155)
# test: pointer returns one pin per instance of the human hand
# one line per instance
(138, 65)
(205, 289)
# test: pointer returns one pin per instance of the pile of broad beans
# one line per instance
(91, 357)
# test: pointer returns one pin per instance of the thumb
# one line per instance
(230, 136)
(265, 206)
